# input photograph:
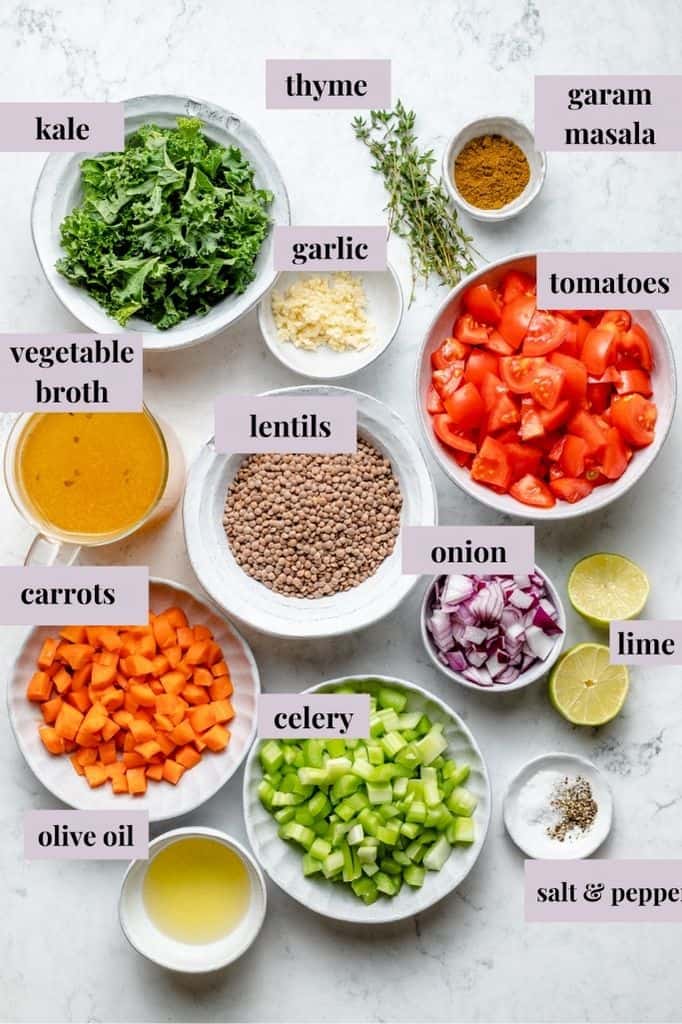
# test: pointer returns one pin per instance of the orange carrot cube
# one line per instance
(40, 687)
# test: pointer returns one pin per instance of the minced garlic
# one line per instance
(317, 311)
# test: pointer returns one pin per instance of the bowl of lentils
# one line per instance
(307, 545)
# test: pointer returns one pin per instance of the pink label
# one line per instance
(70, 373)
(486, 550)
(97, 595)
(609, 280)
(66, 127)
(330, 248)
(313, 716)
(86, 835)
(646, 642)
(639, 112)
(603, 891)
(327, 84)
(320, 424)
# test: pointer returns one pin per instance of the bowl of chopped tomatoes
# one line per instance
(542, 414)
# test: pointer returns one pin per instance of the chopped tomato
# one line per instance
(491, 465)
(531, 423)
(582, 329)
(516, 316)
(531, 491)
(587, 426)
(545, 333)
(519, 372)
(492, 389)
(570, 489)
(546, 385)
(433, 401)
(620, 317)
(517, 283)
(598, 348)
(575, 377)
(635, 417)
(598, 397)
(447, 432)
(448, 352)
(634, 344)
(484, 304)
(634, 381)
(615, 459)
(497, 344)
(468, 331)
(503, 414)
(479, 364)
(465, 407)
(524, 458)
(572, 458)
(449, 379)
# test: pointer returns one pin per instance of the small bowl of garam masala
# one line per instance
(492, 169)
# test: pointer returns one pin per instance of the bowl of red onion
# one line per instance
(493, 633)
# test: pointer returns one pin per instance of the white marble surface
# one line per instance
(472, 957)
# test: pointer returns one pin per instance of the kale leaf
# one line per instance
(167, 228)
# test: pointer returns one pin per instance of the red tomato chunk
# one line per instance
(544, 405)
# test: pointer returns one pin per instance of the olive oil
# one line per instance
(196, 890)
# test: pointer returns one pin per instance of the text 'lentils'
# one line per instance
(313, 525)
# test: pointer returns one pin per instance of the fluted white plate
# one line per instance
(282, 860)
(161, 800)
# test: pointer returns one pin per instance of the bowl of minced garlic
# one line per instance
(492, 169)
(328, 325)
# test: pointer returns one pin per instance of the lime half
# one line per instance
(605, 587)
(585, 689)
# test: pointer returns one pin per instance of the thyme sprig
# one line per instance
(419, 209)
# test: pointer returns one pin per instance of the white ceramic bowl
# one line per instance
(162, 801)
(58, 191)
(533, 841)
(282, 860)
(147, 939)
(663, 379)
(255, 604)
(531, 674)
(511, 129)
(384, 311)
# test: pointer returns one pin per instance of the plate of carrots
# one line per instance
(156, 716)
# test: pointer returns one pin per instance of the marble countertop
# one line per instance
(472, 957)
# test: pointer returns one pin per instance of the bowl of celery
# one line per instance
(371, 830)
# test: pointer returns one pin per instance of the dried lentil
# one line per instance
(313, 525)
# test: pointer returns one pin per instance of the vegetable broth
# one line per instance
(91, 474)
(196, 890)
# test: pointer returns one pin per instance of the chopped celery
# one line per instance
(373, 814)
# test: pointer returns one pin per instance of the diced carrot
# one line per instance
(176, 617)
(77, 766)
(202, 677)
(197, 652)
(157, 687)
(80, 700)
(107, 752)
(62, 680)
(68, 722)
(199, 743)
(40, 687)
(137, 781)
(123, 718)
(217, 738)
(182, 733)
(81, 677)
(220, 669)
(95, 718)
(74, 634)
(87, 756)
(92, 636)
(160, 665)
(172, 771)
(96, 775)
(174, 655)
(224, 712)
(185, 637)
(148, 750)
(188, 757)
(141, 731)
(221, 688)
(154, 772)
(76, 655)
(166, 743)
(132, 759)
(143, 694)
(163, 722)
(213, 654)
(195, 694)
(50, 709)
(173, 682)
(102, 675)
(109, 638)
(106, 658)
(136, 665)
(109, 730)
(52, 741)
(202, 717)
(164, 632)
(202, 633)
(47, 653)
(112, 699)
(119, 783)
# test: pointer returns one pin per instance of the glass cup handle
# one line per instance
(44, 551)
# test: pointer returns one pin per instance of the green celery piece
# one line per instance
(438, 817)
(370, 868)
(381, 773)
(375, 754)
(304, 817)
(438, 763)
(346, 786)
(429, 778)
(286, 799)
(320, 848)
(367, 854)
(312, 753)
(321, 827)
(409, 720)
(266, 794)
(461, 802)
(271, 756)
(351, 866)
(400, 857)
(409, 755)
(437, 855)
(431, 745)
(417, 812)
(274, 778)
(449, 768)
(363, 769)
(388, 811)
(311, 866)
(388, 698)
(370, 821)
(461, 775)
(389, 718)
(336, 833)
(336, 748)
(380, 794)
(415, 851)
(289, 781)
(400, 786)
(352, 744)
(385, 883)
(424, 725)
(367, 893)
(297, 833)
(414, 876)
(391, 743)
(356, 835)
(290, 753)
(390, 866)
(319, 805)
(410, 829)
(388, 834)
(332, 863)
(337, 766)
(285, 814)
(376, 726)
(464, 830)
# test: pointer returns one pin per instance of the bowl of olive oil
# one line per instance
(196, 904)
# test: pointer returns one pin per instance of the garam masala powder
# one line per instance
(490, 171)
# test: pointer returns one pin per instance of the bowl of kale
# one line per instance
(170, 237)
